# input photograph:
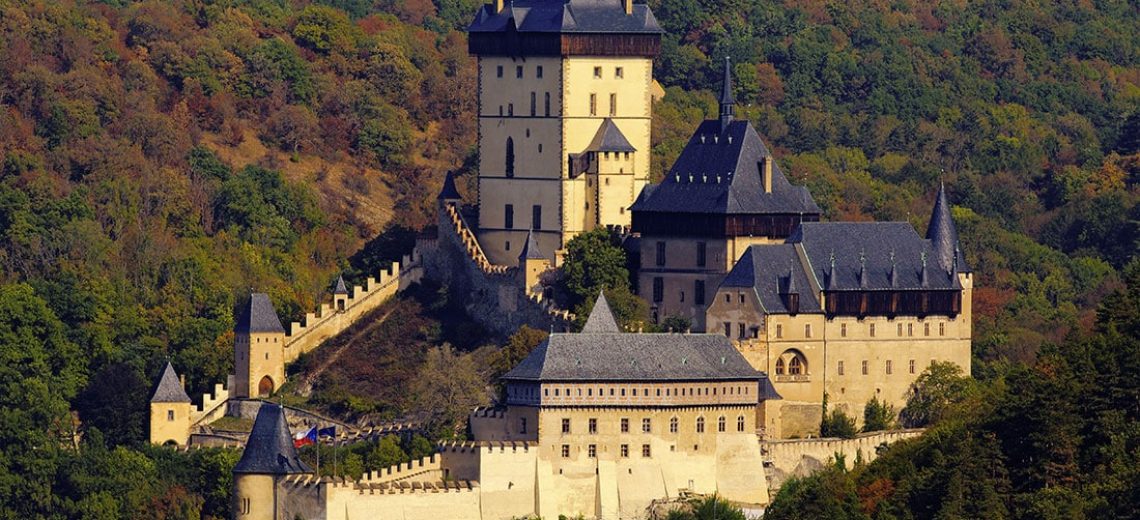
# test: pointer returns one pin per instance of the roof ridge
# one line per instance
(601, 319)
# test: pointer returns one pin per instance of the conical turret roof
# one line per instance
(530, 248)
(448, 192)
(169, 388)
(340, 287)
(941, 232)
(269, 450)
(601, 318)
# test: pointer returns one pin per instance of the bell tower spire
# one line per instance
(727, 100)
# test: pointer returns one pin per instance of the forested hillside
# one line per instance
(159, 159)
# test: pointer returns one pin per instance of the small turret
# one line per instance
(448, 193)
(269, 455)
(169, 410)
(832, 282)
(532, 263)
(790, 293)
(727, 100)
(941, 232)
(340, 294)
(601, 319)
(862, 269)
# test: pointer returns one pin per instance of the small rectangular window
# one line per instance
(941, 329)
(741, 296)
(593, 426)
(890, 367)
(592, 451)
(700, 254)
(727, 329)
(646, 425)
(624, 451)
(864, 367)
(499, 71)
(509, 216)
(170, 415)
(593, 104)
(613, 105)
(519, 71)
(843, 330)
(660, 258)
(699, 292)
(909, 329)
(536, 217)
(658, 289)
(779, 331)
(565, 451)
(839, 368)
(533, 104)
(619, 73)
(538, 72)
(925, 329)
(807, 330)
(871, 329)
(645, 450)
(546, 106)
(911, 367)
(625, 425)
(598, 72)
(741, 331)
(565, 425)
(900, 330)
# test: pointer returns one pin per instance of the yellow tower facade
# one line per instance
(564, 118)
(170, 410)
(259, 349)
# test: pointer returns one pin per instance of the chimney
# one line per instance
(627, 4)
(766, 172)
(498, 6)
(182, 380)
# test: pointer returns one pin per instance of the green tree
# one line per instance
(385, 454)
(595, 262)
(938, 389)
(446, 389)
(878, 415)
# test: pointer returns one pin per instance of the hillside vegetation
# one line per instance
(159, 159)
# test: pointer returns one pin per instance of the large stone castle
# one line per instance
(786, 311)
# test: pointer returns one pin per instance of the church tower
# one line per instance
(564, 118)
(259, 349)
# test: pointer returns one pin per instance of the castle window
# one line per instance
(741, 297)
(740, 423)
(509, 164)
(613, 104)
(509, 216)
(741, 331)
(720, 424)
(658, 289)
(499, 71)
(593, 104)
(522, 424)
(660, 258)
(538, 72)
(619, 73)
(900, 330)
(646, 425)
(592, 451)
(700, 425)
(565, 451)
(510, 109)
(779, 330)
(266, 355)
(909, 329)
(780, 367)
(925, 329)
(645, 450)
(911, 366)
(507, 245)
(673, 425)
(635, 392)
(170, 415)
(871, 329)
(839, 368)
(546, 104)
(700, 254)
(598, 72)
(864, 367)
(796, 364)
(624, 451)
(533, 104)
(727, 298)
(555, 392)
(807, 330)
(843, 330)
(536, 217)
(941, 329)
(699, 292)
(519, 71)
(727, 329)
(565, 424)
(625, 425)
(890, 367)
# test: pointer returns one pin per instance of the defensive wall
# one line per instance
(495, 296)
(800, 457)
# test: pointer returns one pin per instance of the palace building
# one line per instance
(724, 193)
(564, 118)
(598, 423)
(853, 310)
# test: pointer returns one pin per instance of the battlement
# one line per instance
(213, 405)
(471, 244)
(476, 446)
(308, 482)
(488, 412)
(407, 470)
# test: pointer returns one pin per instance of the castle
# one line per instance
(786, 311)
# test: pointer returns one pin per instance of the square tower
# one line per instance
(259, 349)
(564, 118)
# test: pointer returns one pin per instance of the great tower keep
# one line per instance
(564, 118)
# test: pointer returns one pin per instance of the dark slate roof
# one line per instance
(340, 288)
(448, 192)
(875, 246)
(765, 269)
(565, 16)
(530, 248)
(768, 391)
(726, 97)
(601, 319)
(259, 316)
(719, 172)
(169, 388)
(943, 235)
(610, 139)
(616, 356)
(269, 450)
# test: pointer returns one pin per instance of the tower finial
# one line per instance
(727, 100)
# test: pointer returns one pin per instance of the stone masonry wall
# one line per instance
(800, 457)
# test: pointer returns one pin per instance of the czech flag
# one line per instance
(305, 438)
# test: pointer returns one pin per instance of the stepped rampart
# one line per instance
(213, 405)
(799, 457)
(424, 469)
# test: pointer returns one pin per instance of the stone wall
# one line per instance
(493, 295)
(800, 457)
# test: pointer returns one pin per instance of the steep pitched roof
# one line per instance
(259, 316)
(530, 248)
(872, 247)
(726, 97)
(943, 235)
(765, 269)
(448, 191)
(340, 287)
(616, 356)
(610, 139)
(601, 319)
(719, 172)
(169, 389)
(269, 450)
(565, 16)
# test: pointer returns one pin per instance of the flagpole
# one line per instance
(318, 445)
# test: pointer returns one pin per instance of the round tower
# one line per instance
(269, 455)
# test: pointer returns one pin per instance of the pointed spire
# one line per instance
(530, 249)
(169, 389)
(340, 287)
(832, 282)
(727, 100)
(790, 288)
(601, 318)
(862, 269)
(269, 450)
(448, 193)
(941, 233)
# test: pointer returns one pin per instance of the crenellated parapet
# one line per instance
(213, 405)
(471, 244)
(418, 469)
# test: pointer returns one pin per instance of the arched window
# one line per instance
(740, 423)
(700, 425)
(510, 166)
(794, 361)
(720, 424)
(794, 366)
(780, 366)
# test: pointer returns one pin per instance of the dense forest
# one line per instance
(160, 159)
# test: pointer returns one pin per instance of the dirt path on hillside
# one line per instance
(305, 386)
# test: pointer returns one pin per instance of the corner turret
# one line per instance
(340, 294)
(727, 100)
(268, 457)
(169, 410)
(532, 263)
(448, 193)
(942, 234)
(259, 349)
